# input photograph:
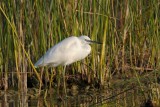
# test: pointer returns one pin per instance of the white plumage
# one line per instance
(69, 50)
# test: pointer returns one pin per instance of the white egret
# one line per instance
(67, 51)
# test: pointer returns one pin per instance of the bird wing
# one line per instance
(59, 54)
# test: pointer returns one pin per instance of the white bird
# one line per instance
(69, 50)
(66, 52)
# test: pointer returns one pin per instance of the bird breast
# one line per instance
(76, 52)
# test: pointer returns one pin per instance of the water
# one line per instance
(106, 97)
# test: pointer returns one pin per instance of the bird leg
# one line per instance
(64, 81)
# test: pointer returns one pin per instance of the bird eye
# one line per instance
(86, 40)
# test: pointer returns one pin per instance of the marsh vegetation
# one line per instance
(128, 60)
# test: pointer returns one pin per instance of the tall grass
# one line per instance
(128, 30)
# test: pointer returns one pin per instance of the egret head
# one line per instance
(87, 40)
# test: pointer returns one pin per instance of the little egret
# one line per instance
(67, 51)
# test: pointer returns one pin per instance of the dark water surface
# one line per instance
(106, 97)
